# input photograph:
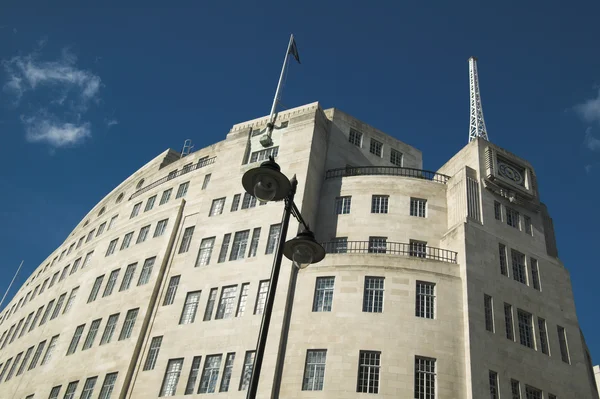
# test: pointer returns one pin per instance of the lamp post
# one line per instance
(267, 183)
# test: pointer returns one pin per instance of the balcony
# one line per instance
(387, 171)
(390, 248)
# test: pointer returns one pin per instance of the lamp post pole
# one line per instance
(266, 318)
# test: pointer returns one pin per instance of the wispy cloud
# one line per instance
(592, 143)
(44, 128)
(589, 110)
(111, 122)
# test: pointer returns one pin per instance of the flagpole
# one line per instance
(266, 139)
(10, 285)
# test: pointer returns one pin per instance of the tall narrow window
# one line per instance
(512, 218)
(143, 234)
(533, 393)
(261, 297)
(373, 294)
(369, 364)
(146, 271)
(27, 321)
(528, 228)
(241, 308)
(6, 366)
(425, 303)
(489, 313)
(508, 322)
(80, 242)
(182, 190)
(150, 203)
(210, 374)
(128, 324)
(379, 203)
(210, 305)
(226, 302)
(75, 340)
(254, 242)
(355, 137)
(235, 203)
(562, 342)
(171, 290)
(89, 340)
(54, 277)
(161, 227)
(525, 328)
(535, 274)
(217, 207)
(166, 195)
(44, 285)
(205, 252)
(418, 207)
(206, 181)
(273, 239)
(126, 240)
(515, 389)
(543, 336)
(88, 388)
(46, 313)
(418, 249)
(24, 362)
(424, 378)
(497, 210)
(518, 266)
(247, 370)
(109, 330)
(50, 351)
(108, 385)
(238, 248)
(377, 245)
(64, 273)
(153, 353)
(101, 229)
(493, 377)
(314, 370)
(194, 371)
(342, 205)
(128, 277)
(112, 222)
(323, 299)
(14, 366)
(36, 356)
(188, 314)
(87, 259)
(112, 281)
(35, 318)
(95, 289)
(186, 239)
(396, 157)
(227, 371)
(171, 379)
(224, 248)
(71, 247)
(502, 257)
(54, 392)
(71, 388)
(249, 201)
(74, 268)
(58, 307)
(134, 212)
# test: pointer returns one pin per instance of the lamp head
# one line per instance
(304, 250)
(266, 182)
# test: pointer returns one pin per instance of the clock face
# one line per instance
(511, 172)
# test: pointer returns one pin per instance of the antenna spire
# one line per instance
(476, 124)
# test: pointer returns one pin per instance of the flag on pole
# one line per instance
(293, 50)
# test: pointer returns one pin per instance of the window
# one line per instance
(379, 204)
(62, 255)
(171, 290)
(261, 297)
(210, 374)
(161, 227)
(247, 370)
(108, 386)
(543, 336)
(57, 308)
(562, 342)
(71, 388)
(186, 239)
(109, 330)
(377, 245)
(424, 378)
(16, 331)
(171, 379)
(8, 362)
(36, 356)
(143, 234)
(153, 353)
(342, 205)
(418, 248)
(369, 364)
(70, 249)
(87, 259)
(54, 392)
(227, 371)
(35, 318)
(112, 246)
(74, 268)
(355, 137)
(44, 285)
(518, 266)
(238, 248)
(493, 377)
(25, 360)
(88, 388)
(206, 181)
(217, 207)
(146, 271)
(489, 313)
(323, 299)
(264, 155)
(112, 222)
(497, 210)
(375, 147)
(502, 257)
(206, 248)
(418, 207)
(515, 389)
(112, 281)
(254, 242)
(226, 303)
(71, 299)
(150, 203)
(235, 203)
(525, 328)
(528, 228)
(182, 190)
(396, 157)
(425, 304)
(166, 195)
(54, 277)
(188, 314)
(224, 248)
(508, 322)
(75, 339)
(128, 277)
(46, 312)
(14, 366)
(314, 370)
(273, 239)
(249, 201)
(535, 274)
(135, 211)
(550, 396)
(241, 308)
(95, 289)
(373, 295)
(128, 324)
(532, 393)
(194, 371)
(512, 218)
(49, 351)
(210, 305)
(172, 174)
(80, 242)
(29, 316)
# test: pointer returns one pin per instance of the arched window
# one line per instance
(120, 198)
(140, 184)
(102, 211)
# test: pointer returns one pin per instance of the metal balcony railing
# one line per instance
(417, 250)
(200, 164)
(387, 171)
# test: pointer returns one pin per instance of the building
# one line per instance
(597, 376)
(439, 284)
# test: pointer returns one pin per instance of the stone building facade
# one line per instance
(438, 285)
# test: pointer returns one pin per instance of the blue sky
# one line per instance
(88, 95)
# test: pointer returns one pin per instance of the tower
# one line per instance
(476, 124)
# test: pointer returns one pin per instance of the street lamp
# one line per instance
(267, 183)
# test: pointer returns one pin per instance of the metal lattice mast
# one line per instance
(476, 124)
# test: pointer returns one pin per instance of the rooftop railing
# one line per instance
(386, 171)
(416, 250)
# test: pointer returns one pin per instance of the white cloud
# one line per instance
(44, 128)
(111, 122)
(590, 109)
(590, 141)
